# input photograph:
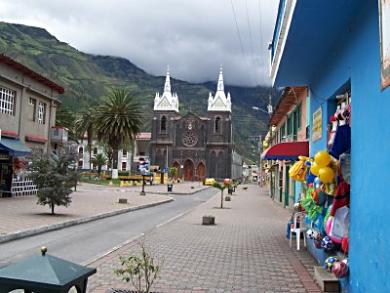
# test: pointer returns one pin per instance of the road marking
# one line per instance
(170, 220)
(115, 248)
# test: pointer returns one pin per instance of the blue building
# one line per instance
(334, 48)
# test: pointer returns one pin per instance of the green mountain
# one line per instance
(88, 77)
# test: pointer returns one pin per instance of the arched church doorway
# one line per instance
(201, 171)
(177, 166)
(188, 170)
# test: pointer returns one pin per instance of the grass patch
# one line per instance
(104, 182)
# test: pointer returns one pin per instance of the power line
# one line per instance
(239, 36)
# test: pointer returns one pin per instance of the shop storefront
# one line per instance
(334, 47)
(12, 154)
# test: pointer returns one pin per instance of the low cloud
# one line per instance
(194, 36)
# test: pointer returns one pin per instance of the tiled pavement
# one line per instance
(21, 213)
(245, 252)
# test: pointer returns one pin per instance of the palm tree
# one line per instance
(118, 120)
(99, 160)
(66, 118)
(85, 124)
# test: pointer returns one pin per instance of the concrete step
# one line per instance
(326, 280)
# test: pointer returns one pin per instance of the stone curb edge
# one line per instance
(48, 228)
(178, 193)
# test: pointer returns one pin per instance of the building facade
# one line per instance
(290, 129)
(335, 47)
(198, 146)
(28, 103)
(128, 159)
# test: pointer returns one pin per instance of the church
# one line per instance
(198, 146)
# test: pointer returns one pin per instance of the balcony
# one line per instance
(59, 135)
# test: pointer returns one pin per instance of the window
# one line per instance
(217, 125)
(124, 166)
(81, 150)
(163, 123)
(33, 104)
(95, 151)
(124, 153)
(41, 113)
(7, 101)
(299, 115)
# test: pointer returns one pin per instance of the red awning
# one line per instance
(287, 151)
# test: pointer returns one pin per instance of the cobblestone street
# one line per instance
(245, 252)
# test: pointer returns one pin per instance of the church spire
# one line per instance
(220, 102)
(220, 86)
(167, 86)
(168, 101)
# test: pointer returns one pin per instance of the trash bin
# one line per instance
(170, 187)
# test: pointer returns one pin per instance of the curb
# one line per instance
(178, 193)
(58, 226)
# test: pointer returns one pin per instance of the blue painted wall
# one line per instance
(356, 56)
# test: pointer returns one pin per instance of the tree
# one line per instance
(84, 124)
(221, 187)
(141, 271)
(66, 118)
(118, 120)
(99, 160)
(53, 175)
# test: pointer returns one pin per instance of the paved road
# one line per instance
(87, 241)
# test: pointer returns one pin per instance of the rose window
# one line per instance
(190, 139)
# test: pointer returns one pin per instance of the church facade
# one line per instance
(198, 146)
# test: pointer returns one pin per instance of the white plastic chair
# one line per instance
(298, 231)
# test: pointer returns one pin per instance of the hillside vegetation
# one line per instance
(88, 77)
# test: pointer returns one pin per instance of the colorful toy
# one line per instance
(327, 243)
(329, 263)
(315, 169)
(328, 229)
(326, 174)
(322, 159)
(345, 244)
(340, 268)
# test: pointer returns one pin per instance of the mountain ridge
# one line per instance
(89, 77)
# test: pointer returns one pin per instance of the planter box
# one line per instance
(208, 220)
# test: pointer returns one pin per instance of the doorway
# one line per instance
(201, 171)
(188, 170)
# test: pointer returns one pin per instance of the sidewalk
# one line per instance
(245, 252)
(22, 213)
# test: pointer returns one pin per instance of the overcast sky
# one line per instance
(193, 36)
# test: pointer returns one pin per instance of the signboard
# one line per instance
(384, 29)
(317, 125)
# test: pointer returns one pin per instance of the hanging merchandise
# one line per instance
(340, 226)
(329, 262)
(315, 169)
(329, 230)
(326, 175)
(345, 245)
(322, 159)
(340, 268)
(342, 196)
(342, 141)
(298, 171)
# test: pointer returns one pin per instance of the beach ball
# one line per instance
(322, 158)
(327, 243)
(326, 174)
(329, 262)
(340, 269)
(315, 169)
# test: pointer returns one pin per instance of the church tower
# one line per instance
(219, 132)
(166, 108)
